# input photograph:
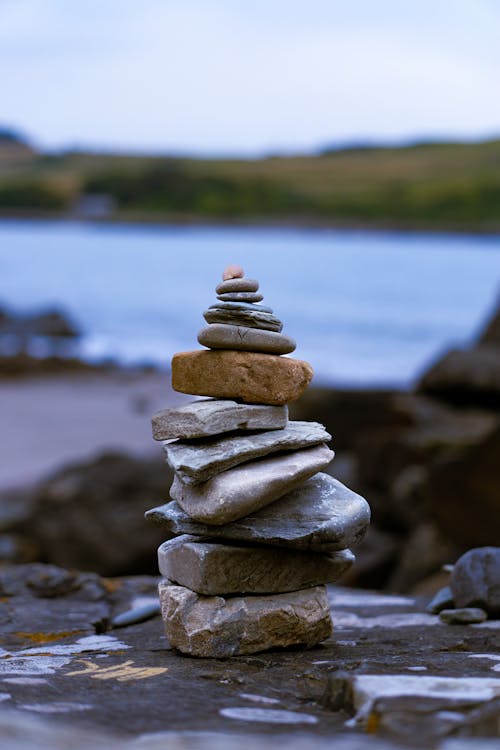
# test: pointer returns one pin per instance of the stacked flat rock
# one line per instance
(256, 528)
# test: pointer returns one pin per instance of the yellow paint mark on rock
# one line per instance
(373, 723)
(47, 637)
(123, 672)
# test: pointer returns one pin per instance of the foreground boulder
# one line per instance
(475, 580)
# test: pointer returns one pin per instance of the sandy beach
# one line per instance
(48, 422)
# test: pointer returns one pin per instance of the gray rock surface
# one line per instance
(223, 336)
(237, 285)
(463, 616)
(475, 579)
(321, 515)
(443, 599)
(199, 461)
(215, 569)
(250, 317)
(215, 627)
(206, 417)
(61, 680)
(249, 487)
(240, 297)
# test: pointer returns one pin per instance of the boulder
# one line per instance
(475, 579)
(211, 626)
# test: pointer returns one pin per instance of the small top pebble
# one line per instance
(233, 272)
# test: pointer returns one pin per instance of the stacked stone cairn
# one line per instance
(256, 529)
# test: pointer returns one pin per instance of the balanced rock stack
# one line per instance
(258, 529)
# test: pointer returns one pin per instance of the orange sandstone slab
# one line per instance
(254, 378)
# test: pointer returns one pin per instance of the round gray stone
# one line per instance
(240, 297)
(237, 285)
(475, 580)
(243, 338)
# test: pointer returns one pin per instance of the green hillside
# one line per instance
(442, 185)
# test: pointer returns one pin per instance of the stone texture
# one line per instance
(475, 579)
(240, 297)
(463, 616)
(237, 285)
(249, 487)
(207, 417)
(217, 627)
(249, 376)
(199, 461)
(216, 569)
(223, 336)
(321, 515)
(249, 317)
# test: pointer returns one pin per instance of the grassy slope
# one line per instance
(449, 185)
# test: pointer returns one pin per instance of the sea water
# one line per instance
(366, 308)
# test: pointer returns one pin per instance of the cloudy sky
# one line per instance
(248, 76)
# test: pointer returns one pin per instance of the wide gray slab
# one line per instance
(225, 336)
(214, 627)
(250, 317)
(322, 514)
(247, 488)
(199, 461)
(206, 417)
(237, 285)
(215, 569)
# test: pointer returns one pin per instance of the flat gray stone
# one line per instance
(214, 627)
(224, 336)
(249, 318)
(463, 616)
(237, 285)
(320, 515)
(206, 417)
(240, 306)
(249, 487)
(240, 297)
(199, 461)
(475, 579)
(215, 569)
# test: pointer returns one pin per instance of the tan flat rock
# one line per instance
(215, 627)
(218, 569)
(249, 487)
(252, 377)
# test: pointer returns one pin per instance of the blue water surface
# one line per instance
(366, 308)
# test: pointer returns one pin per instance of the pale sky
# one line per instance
(248, 76)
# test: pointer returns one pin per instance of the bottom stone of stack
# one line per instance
(218, 627)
